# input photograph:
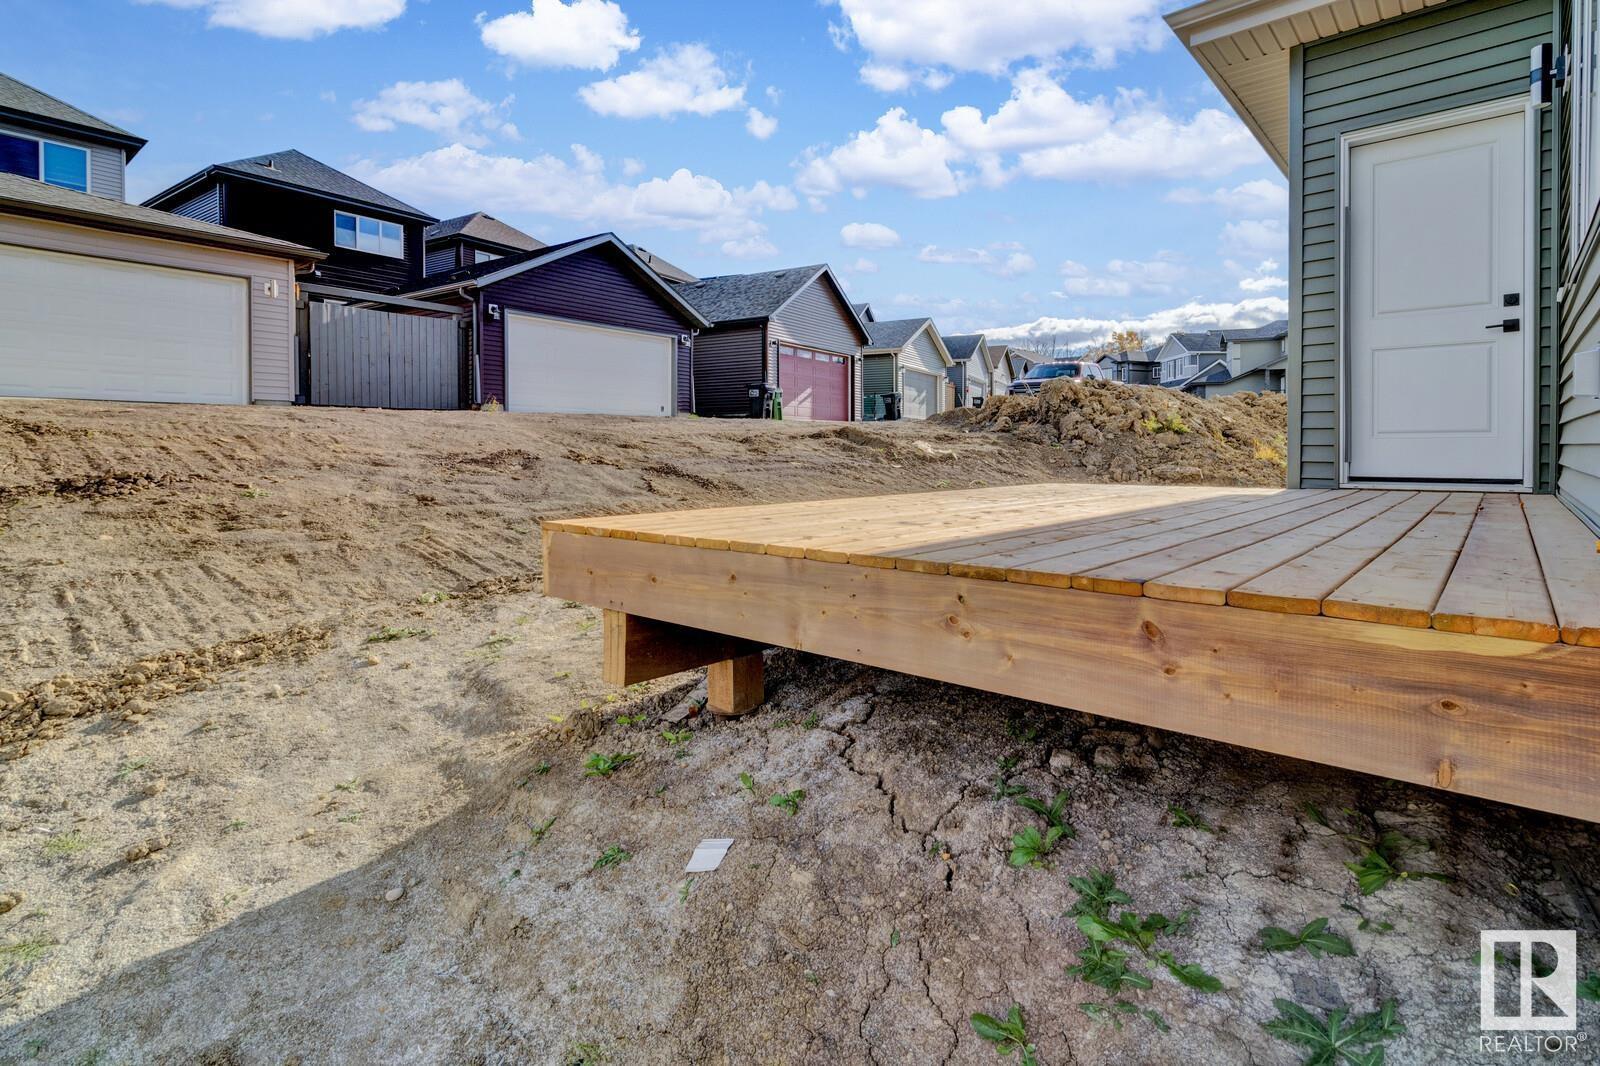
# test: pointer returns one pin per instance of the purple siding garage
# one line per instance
(596, 286)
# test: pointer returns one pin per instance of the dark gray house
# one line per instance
(970, 372)
(1132, 368)
(468, 240)
(581, 327)
(794, 329)
(372, 242)
(51, 141)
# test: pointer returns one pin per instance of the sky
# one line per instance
(1035, 169)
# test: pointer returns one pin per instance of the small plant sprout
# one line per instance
(632, 719)
(748, 784)
(1007, 1035)
(1313, 936)
(495, 643)
(601, 765)
(674, 737)
(235, 826)
(1112, 1014)
(348, 786)
(31, 949)
(684, 890)
(1030, 847)
(788, 801)
(1183, 818)
(538, 831)
(1380, 852)
(1054, 814)
(62, 844)
(1003, 788)
(128, 767)
(612, 856)
(393, 633)
(1589, 987)
(1102, 964)
(543, 768)
(1336, 1039)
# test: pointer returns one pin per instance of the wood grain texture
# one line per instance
(1569, 555)
(735, 686)
(1402, 584)
(1516, 720)
(1496, 588)
(643, 649)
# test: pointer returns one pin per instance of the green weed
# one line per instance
(1336, 1038)
(1185, 819)
(612, 856)
(788, 801)
(1314, 937)
(1030, 847)
(131, 766)
(1008, 1035)
(62, 844)
(24, 951)
(674, 737)
(1112, 1014)
(392, 633)
(1589, 987)
(599, 765)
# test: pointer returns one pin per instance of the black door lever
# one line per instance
(1510, 325)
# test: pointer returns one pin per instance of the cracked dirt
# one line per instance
(386, 852)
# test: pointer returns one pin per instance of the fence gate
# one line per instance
(362, 357)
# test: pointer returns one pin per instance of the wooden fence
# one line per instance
(361, 357)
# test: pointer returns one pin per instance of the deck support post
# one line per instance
(735, 686)
(643, 649)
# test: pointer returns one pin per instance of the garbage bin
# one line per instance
(765, 401)
(891, 406)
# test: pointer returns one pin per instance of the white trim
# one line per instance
(381, 222)
(1438, 120)
(505, 349)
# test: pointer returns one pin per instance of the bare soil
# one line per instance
(292, 769)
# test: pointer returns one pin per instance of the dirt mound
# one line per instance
(89, 486)
(1146, 434)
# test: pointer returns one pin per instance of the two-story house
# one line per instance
(970, 372)
(372, 242)
(466, 241)
(105, 300)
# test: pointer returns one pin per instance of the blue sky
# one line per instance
(1053, 167)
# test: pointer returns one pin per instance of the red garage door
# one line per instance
(816, 385)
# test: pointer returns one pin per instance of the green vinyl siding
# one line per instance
(1578, 460)
(877, 376)
(1438, 60)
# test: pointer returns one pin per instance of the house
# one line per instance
(371, 242)
(791, 329)
(104, 300)
(469, 240)
(1439, 198)
(1132, 367)
(864, 312)
(1000, 369)
(675, 274)
(905, 356)
(970, 371)
(581, 327)
(51, 141)
(1021, 360)
(1257, 360)
(1186, 356)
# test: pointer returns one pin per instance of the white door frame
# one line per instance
(1511, 105)
(935, 392)
(505, 351)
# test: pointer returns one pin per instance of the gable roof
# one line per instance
(486, 228)
(1272, 331)
(485, 274)
(864, 312)
(963, 346)
(895, 334)
(754, 297)
(295, 170)
(21, 100)
(35, 199)
(1244, 47)
(671, 271)
(1209, 341)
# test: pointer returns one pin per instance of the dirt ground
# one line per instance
(294, 771)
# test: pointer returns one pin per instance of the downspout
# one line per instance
(477, 341)
(693, 333)
(1558, 254)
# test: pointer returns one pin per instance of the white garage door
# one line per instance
(76, 327)
(566, 367)
(920, 392)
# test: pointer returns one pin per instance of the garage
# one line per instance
(816, 385)
(81, 327)
(921, 393)
(559, 366)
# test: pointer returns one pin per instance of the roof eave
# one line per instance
(218, 172)
(50, 213)
(129, 143)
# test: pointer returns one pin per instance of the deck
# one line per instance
(1445, 638)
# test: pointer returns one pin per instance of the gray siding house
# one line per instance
(793, 329)
(905, 356)
(466, 241)
(49, 140)
(1000, 369)
(970, 372)
(1430, 349)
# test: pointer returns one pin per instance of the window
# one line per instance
(1583, 88)
(481, 256)
(47, 161)
(369, 235)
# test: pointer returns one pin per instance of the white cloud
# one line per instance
(897, 152)
(749, 248)
(976, 35)
(1004, 260)
(889, 78)
(868, 235)
(1253, 199)
(1263, 284)
(579, 189)
(863, 266)
(1039, 113)
(586, 34)
(447, 108)
(294, 19)
(685, 78)
(1124, 277)
(1255, 238)
(759, 125)
(1255, 311)
(1143, 141)
(632, 168)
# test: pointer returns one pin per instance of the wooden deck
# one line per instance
(1448, 638)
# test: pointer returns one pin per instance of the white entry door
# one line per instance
(565, 367)
(1439, 305)
(917, 392)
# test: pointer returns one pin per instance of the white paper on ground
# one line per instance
(708, 856)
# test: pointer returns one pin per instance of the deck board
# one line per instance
(1402, 585)
(1496, 588)
(1569, 555)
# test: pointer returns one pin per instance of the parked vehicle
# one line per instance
(1039, 376)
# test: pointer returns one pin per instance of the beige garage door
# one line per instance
(77, 327)
(568, 367)
(921, 393)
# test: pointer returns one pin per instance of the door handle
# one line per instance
(1510, 325)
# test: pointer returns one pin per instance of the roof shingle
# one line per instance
(23, 99)
(482, 227)
(738, 297)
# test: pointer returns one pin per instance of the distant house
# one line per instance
(999, 369)
(970, 372)
(675, 274)
(581, 327)
(1132, 368)
(864, 312)
(105, 300)
(905, 356)
(1021, 360)
(1220, 361)
(1186, 356)
(371, 242)
(471, 239)
(48, 140)
(793, 329)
